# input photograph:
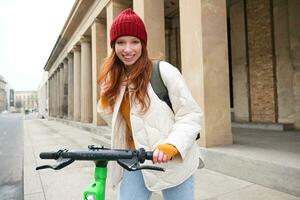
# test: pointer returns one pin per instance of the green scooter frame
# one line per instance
(96, 190)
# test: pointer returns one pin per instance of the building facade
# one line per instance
(240, 58)
(43, 97)
(26, 100)
(10, 98)
(3, 95)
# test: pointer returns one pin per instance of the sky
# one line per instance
(28, 32)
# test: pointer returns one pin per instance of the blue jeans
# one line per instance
(133, 188)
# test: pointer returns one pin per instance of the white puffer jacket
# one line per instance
(160, 125)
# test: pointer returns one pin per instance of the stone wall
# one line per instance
(262, 77)
(239, 61)
(294, 38)
(284, 69)
(265, 43)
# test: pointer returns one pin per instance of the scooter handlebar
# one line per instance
(49, 155)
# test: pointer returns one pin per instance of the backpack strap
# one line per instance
(158, 85)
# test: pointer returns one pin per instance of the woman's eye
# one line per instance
(136, 42)
(120, 42)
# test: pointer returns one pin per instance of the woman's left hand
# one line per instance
(159, 157)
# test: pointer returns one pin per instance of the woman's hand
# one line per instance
(163, 153)
(159, 157)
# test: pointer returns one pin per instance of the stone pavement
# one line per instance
(68, 183)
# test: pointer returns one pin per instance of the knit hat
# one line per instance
(128, 23)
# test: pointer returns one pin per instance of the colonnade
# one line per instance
(70, 85)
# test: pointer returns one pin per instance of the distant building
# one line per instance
(3, 95)
(10, 98)
(26, 100)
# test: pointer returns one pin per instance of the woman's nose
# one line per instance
(128, 47)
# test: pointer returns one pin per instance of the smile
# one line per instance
(128, 57)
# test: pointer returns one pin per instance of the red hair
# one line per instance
(112, 75)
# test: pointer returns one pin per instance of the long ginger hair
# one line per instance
(112, 75)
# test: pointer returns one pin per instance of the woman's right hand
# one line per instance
(159, 157)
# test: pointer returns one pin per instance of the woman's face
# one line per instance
(128, 49)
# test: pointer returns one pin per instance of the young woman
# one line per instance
(139, 119)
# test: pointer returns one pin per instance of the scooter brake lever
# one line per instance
(61, 163)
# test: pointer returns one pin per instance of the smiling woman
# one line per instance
(139, 119)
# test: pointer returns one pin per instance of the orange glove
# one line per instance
(168, 149)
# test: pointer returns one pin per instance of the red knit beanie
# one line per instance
(128, 23)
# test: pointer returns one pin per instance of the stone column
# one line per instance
(239, 61)
(65, 80)
(294, 34)
(61, 90)
(46, 99)
(262, 77)
(99, 52)
(54, 94)
(59, 70)
(284, 68)
(70, 86)
(77, 82)
(113, 8)
(57, 92)
(152, 13)
(49, 96)
(86, 80)
(205, 65)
